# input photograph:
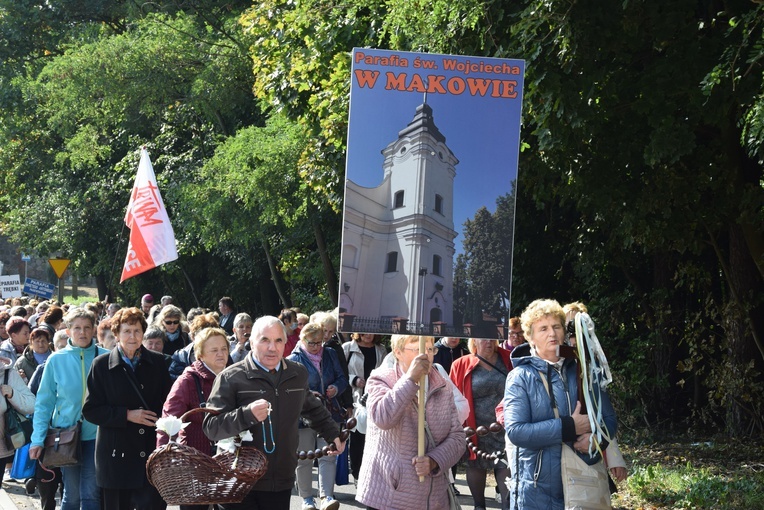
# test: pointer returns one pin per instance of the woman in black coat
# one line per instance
(126, 390)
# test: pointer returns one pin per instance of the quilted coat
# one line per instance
(331, 375)
(387, 479)
(536, 435)
(183, 397)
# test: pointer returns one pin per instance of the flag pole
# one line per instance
(114, 264)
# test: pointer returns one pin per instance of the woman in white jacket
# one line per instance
(364, 353)
(16, 392)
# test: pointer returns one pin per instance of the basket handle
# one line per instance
(207, 410)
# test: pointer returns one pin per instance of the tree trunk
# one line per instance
(743, 324)
(102, 287)
(75, 286)
(285, 299)
(329, 272)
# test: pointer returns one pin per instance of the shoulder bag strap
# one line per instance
(551, 395)
(198, 382)
(501, 370)
(135, 387)
(5, 381)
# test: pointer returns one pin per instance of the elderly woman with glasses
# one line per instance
(171, 320)
(542, 411)
(327, 380)
(126, 389)
(392, 467)
(481, 376)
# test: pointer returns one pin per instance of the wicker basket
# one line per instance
(185, 476)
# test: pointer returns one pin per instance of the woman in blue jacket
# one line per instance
(325, 377)
(59, 404)
(534, 431)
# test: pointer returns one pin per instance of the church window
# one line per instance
(438, 204)
(398, 200)
(436, 263)
(392, 262)
(350, 256)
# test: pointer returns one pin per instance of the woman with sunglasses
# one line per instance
(171, 320)
(327, 380)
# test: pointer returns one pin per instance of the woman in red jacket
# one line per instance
(480, 376)
(193, 387)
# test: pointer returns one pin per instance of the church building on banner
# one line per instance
(398, 240)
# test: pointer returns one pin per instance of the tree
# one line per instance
(483, 271)
(251, 190)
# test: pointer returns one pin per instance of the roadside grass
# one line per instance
(720, 474)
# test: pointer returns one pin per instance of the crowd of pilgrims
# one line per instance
(92, 351)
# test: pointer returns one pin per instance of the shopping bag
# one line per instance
(343, 469)
(23, 467)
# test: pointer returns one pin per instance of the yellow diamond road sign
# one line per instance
(59, 266)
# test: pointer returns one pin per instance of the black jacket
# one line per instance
(179, 343)
(244, 382)
(447, 355)
(122, 447)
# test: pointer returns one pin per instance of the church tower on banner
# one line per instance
(398, 240)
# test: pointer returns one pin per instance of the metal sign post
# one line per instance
(59, 267)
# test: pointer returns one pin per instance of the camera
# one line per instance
(570, 329)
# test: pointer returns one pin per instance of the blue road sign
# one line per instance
(38, 288)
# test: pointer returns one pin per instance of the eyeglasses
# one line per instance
(429, 350)
(313, 344)
(171, 323)
(515, 333)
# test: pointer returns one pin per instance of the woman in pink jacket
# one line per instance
(390, 472)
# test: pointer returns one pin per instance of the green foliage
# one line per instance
(249, 195)
(691, 487)
(301, 61)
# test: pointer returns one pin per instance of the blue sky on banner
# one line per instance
(476, 103)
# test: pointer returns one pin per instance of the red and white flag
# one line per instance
(152, 240)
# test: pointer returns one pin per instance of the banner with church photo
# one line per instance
(428, 225)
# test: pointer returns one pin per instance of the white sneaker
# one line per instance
(330, 504)
(309, 504)
(7, 476)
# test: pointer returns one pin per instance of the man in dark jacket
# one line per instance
(266, 395)
(450, 349)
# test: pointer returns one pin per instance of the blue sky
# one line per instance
(482, 132)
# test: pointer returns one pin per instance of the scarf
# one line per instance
(132, 363)
(315, 359)
(41, 358)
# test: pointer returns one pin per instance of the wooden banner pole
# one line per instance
(421, 451)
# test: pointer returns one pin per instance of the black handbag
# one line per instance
(18, 429)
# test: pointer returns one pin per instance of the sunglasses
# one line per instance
(170, 323)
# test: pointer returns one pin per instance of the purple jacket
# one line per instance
(387, 479)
